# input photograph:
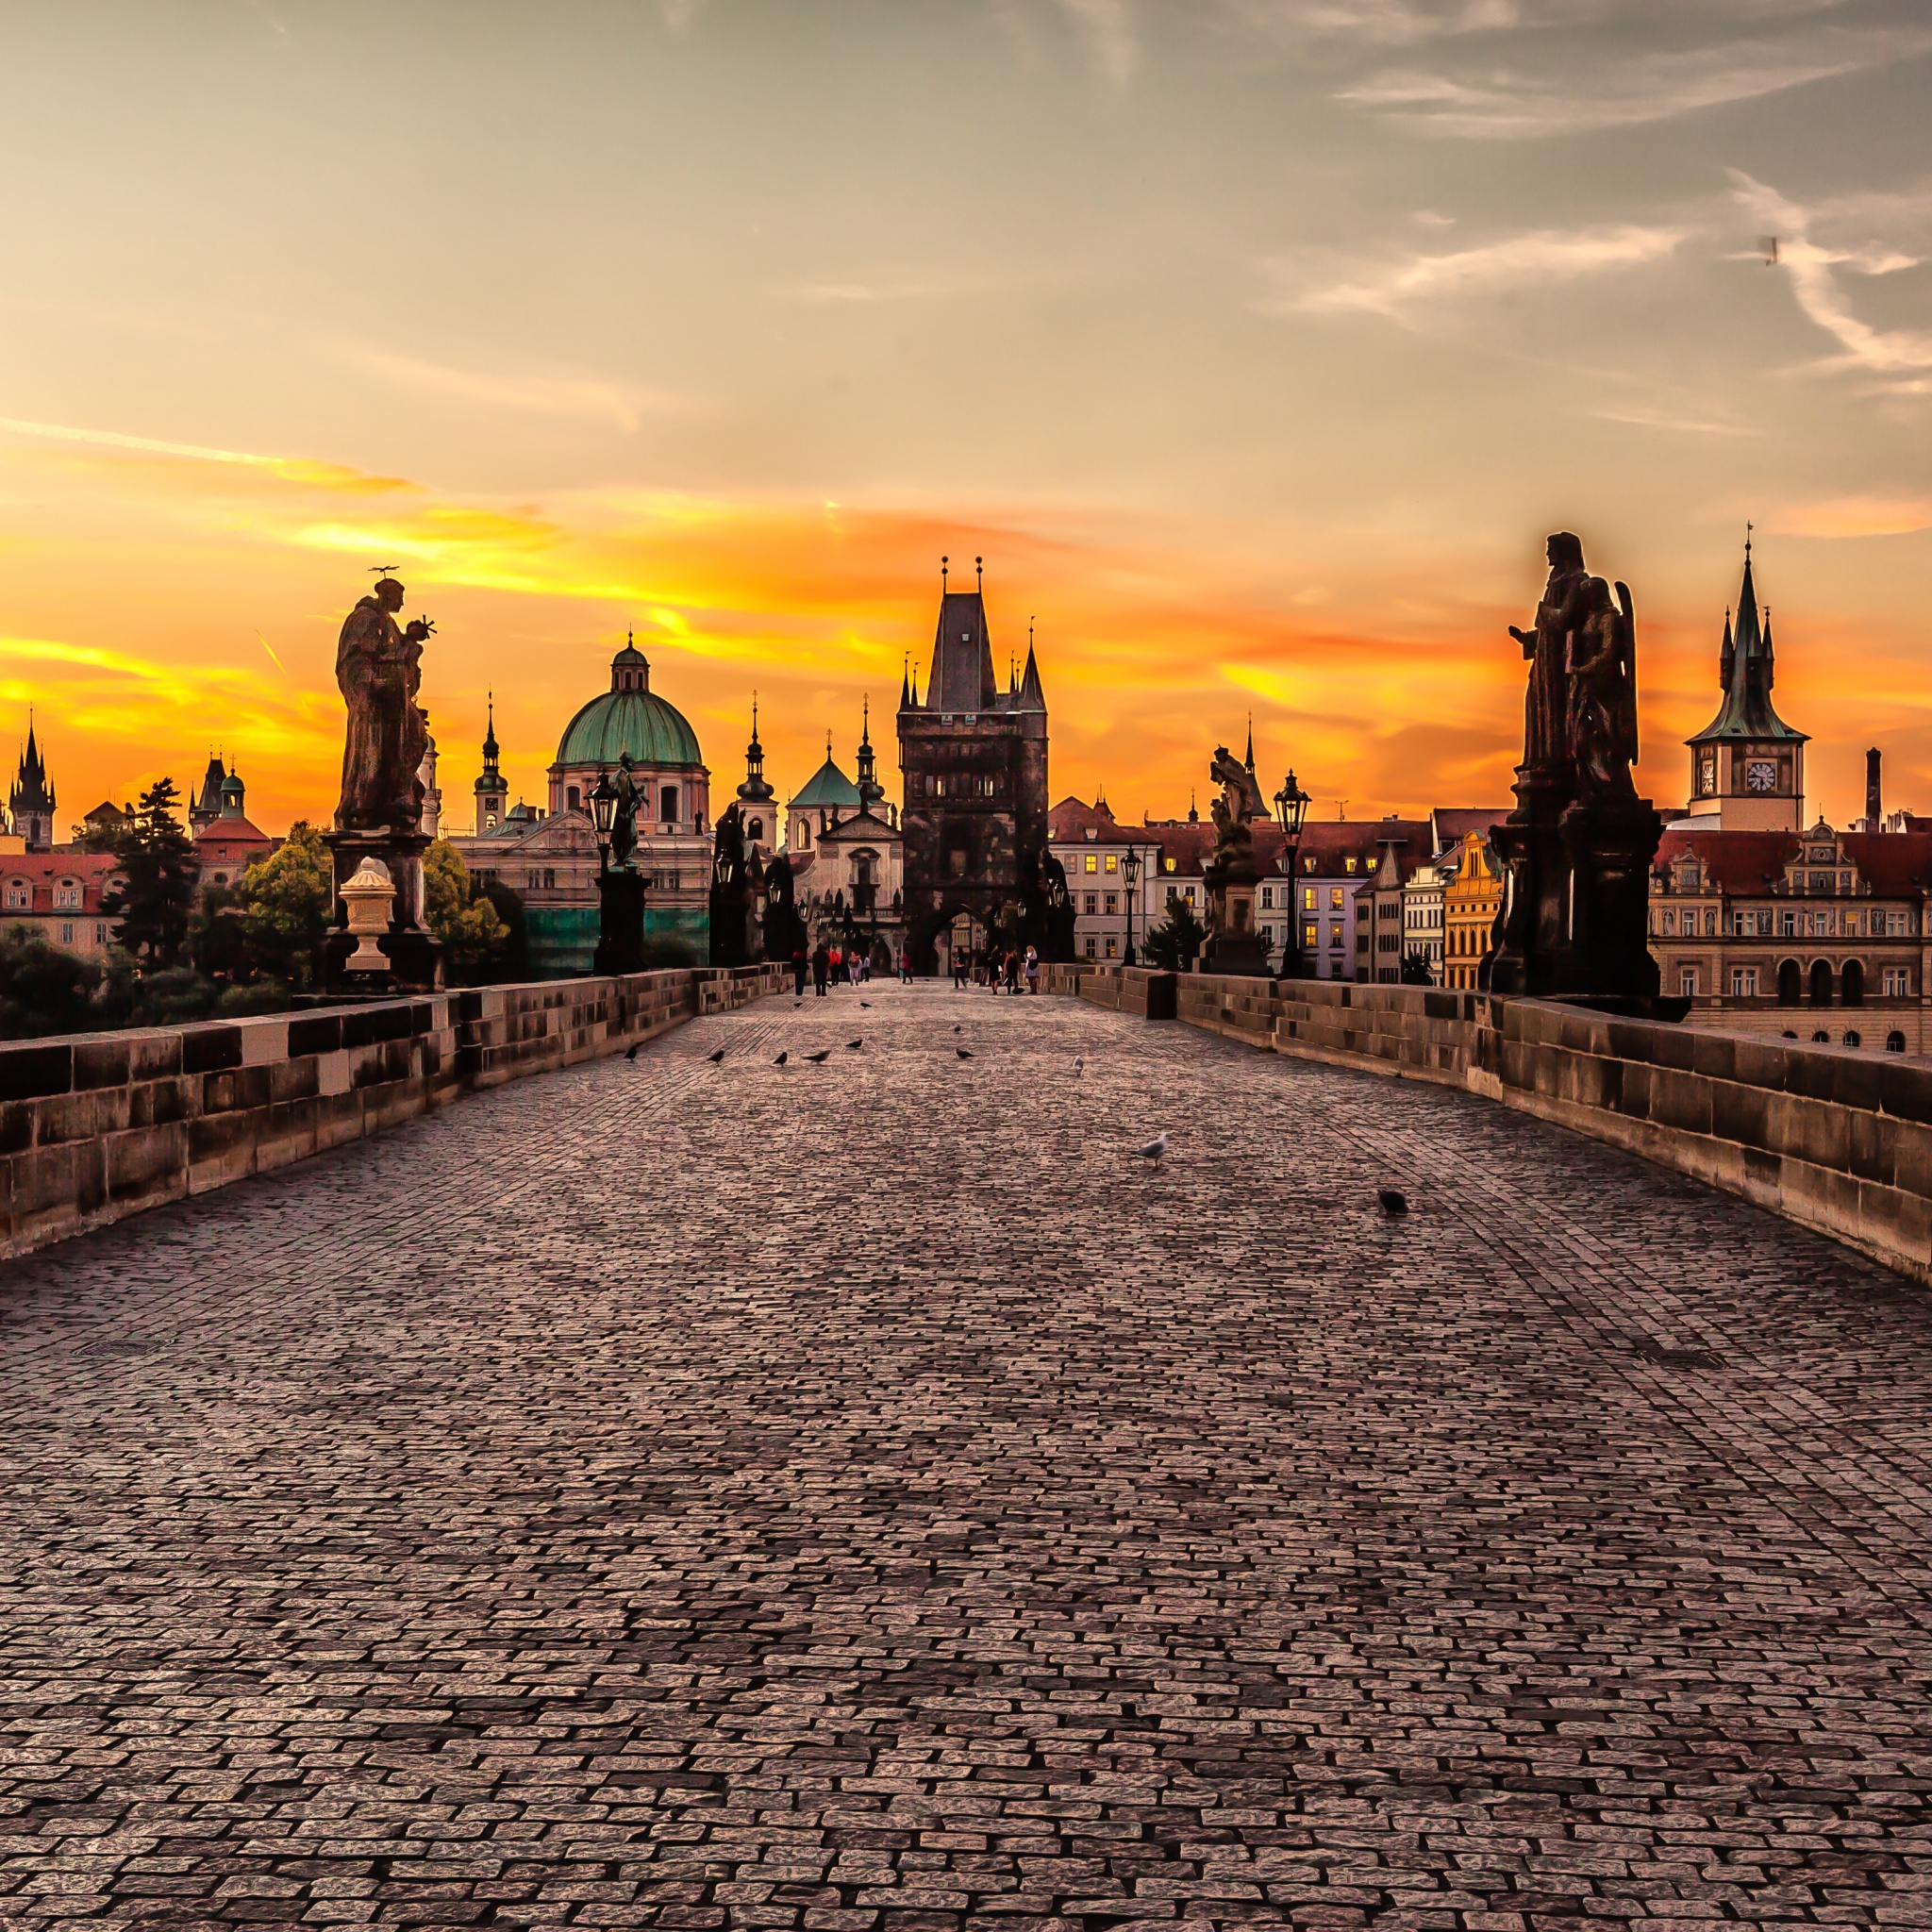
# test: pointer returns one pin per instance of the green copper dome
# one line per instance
(628, 717)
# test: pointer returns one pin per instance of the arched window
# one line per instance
(1894, 1043)
(1852, 1037)
(1789, 1034)
(1821, 1037)
(1789, 981)
(1852, 983)
(1821, 983)
(756, 828)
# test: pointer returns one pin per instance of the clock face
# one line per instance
(1760, 776)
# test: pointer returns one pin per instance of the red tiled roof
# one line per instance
(1737, 861)
(40, 872)
(232, 831)
(1454, 823)
(1071, 819)
(1892, 864)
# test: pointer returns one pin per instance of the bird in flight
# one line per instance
(818, 1059)
(1154, 1150)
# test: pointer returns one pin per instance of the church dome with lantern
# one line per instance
(632, 718)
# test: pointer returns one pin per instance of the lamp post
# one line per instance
(603, 811)
(1291, 812)
(1131, 870)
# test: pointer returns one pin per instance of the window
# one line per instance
(67, 892)
(1852, 1038)
(1113, 903)
(1307, 898)
(1687, 982)
(67, 933)
(667, 805)
(1109, 945)
(1093, 902)
(1089, 946)
(1336, 899)
(957, 860)
(1898, 983)
(1894, 1043)
(1744, 982)
(1092, 862)
(1113, 861)
(757, 828)
(1188, 893)
(1334, 933)
(100, 935)
(549, 880)
(1268, 896)
(1898, 926)
(1348, 865)
(1787, 925)
(573, 798)
(1311, 933)
(1374, 862)
(1167, 865)
(1821, 1037)
(19, 892)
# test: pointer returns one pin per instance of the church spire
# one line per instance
(490, 747)
(1251, 741)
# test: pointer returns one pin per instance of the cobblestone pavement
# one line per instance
(866, 1495)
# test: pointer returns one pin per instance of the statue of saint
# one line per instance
(379, 672)
(623, 815)
(1239, 800)
(1601, 722)
(1545, 719)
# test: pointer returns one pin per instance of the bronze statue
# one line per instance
(1600, 662)
(624, 814)
(379, 672)
(1545, 711)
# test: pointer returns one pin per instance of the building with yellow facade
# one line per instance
(1470, 902)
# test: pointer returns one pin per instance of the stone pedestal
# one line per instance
(1235, 945)
(413, 952)
(620, 922)
(1575, 905)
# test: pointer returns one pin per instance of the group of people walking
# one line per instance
(999, 970)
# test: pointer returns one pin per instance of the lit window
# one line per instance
(1348, 865)
(1113, 861)
(1310, 933)
(1109, 945)
(1307, 898)
(1336, 899)
(1188, 893)
(1092, 862)
(1167, 865)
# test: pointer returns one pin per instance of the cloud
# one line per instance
(621, 402)
(1859, 516)
(1110, 27)
(1498, 102)
(857, 292)
(1395, 287)
(1902, 357)
(302, 469)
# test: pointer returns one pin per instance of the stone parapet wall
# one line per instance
(1838, 1140)
(99, 1125)
(1138, 989)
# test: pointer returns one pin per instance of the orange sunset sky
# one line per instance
(1256, 344)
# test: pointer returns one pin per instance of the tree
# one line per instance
(514, 961)
(1416, 970)
(159, 872)
(473, 938)
(1177, 941)
(289, 899)
(43, 989)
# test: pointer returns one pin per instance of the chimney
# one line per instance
(1875, 815)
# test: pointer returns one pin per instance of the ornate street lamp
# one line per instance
(1291, 812)
(1130, 868)
(603, 811)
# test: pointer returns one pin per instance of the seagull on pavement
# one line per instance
(1154, 1150)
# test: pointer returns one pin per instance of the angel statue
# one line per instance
(1601, 700)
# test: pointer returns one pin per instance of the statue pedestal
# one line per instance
(1576, 906)
(619, 923)
(1234, 945)
(413, 952)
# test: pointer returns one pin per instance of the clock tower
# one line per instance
(1747, 765)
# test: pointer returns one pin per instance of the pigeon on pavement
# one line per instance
(1079, 1066)
(1392, 1201)
(955, 1029)
(818, 1059)
(715, 1057)
(853, 1045)
(1155, 1149)
(962, 1052)
(781, 1059)
(633, 1052)
(865, 1003)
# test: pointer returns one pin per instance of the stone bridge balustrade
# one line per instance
(1837, 1140)
(97, 1127)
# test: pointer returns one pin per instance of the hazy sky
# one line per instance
(1256, 344)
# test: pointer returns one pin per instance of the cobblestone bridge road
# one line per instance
(864, 1495)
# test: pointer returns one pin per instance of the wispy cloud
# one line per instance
(1901, 358)
(858, 291)
(1398, 286)
(621, 402)
(1859, 516)
(1595, 88)
(302, 469)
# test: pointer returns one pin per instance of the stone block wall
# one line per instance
(99, 1125)
(1838, 1140)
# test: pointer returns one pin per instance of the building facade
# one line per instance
(228, 843)
(57, 895)
(1092, 851)
(1472, 899)
(974, 762)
